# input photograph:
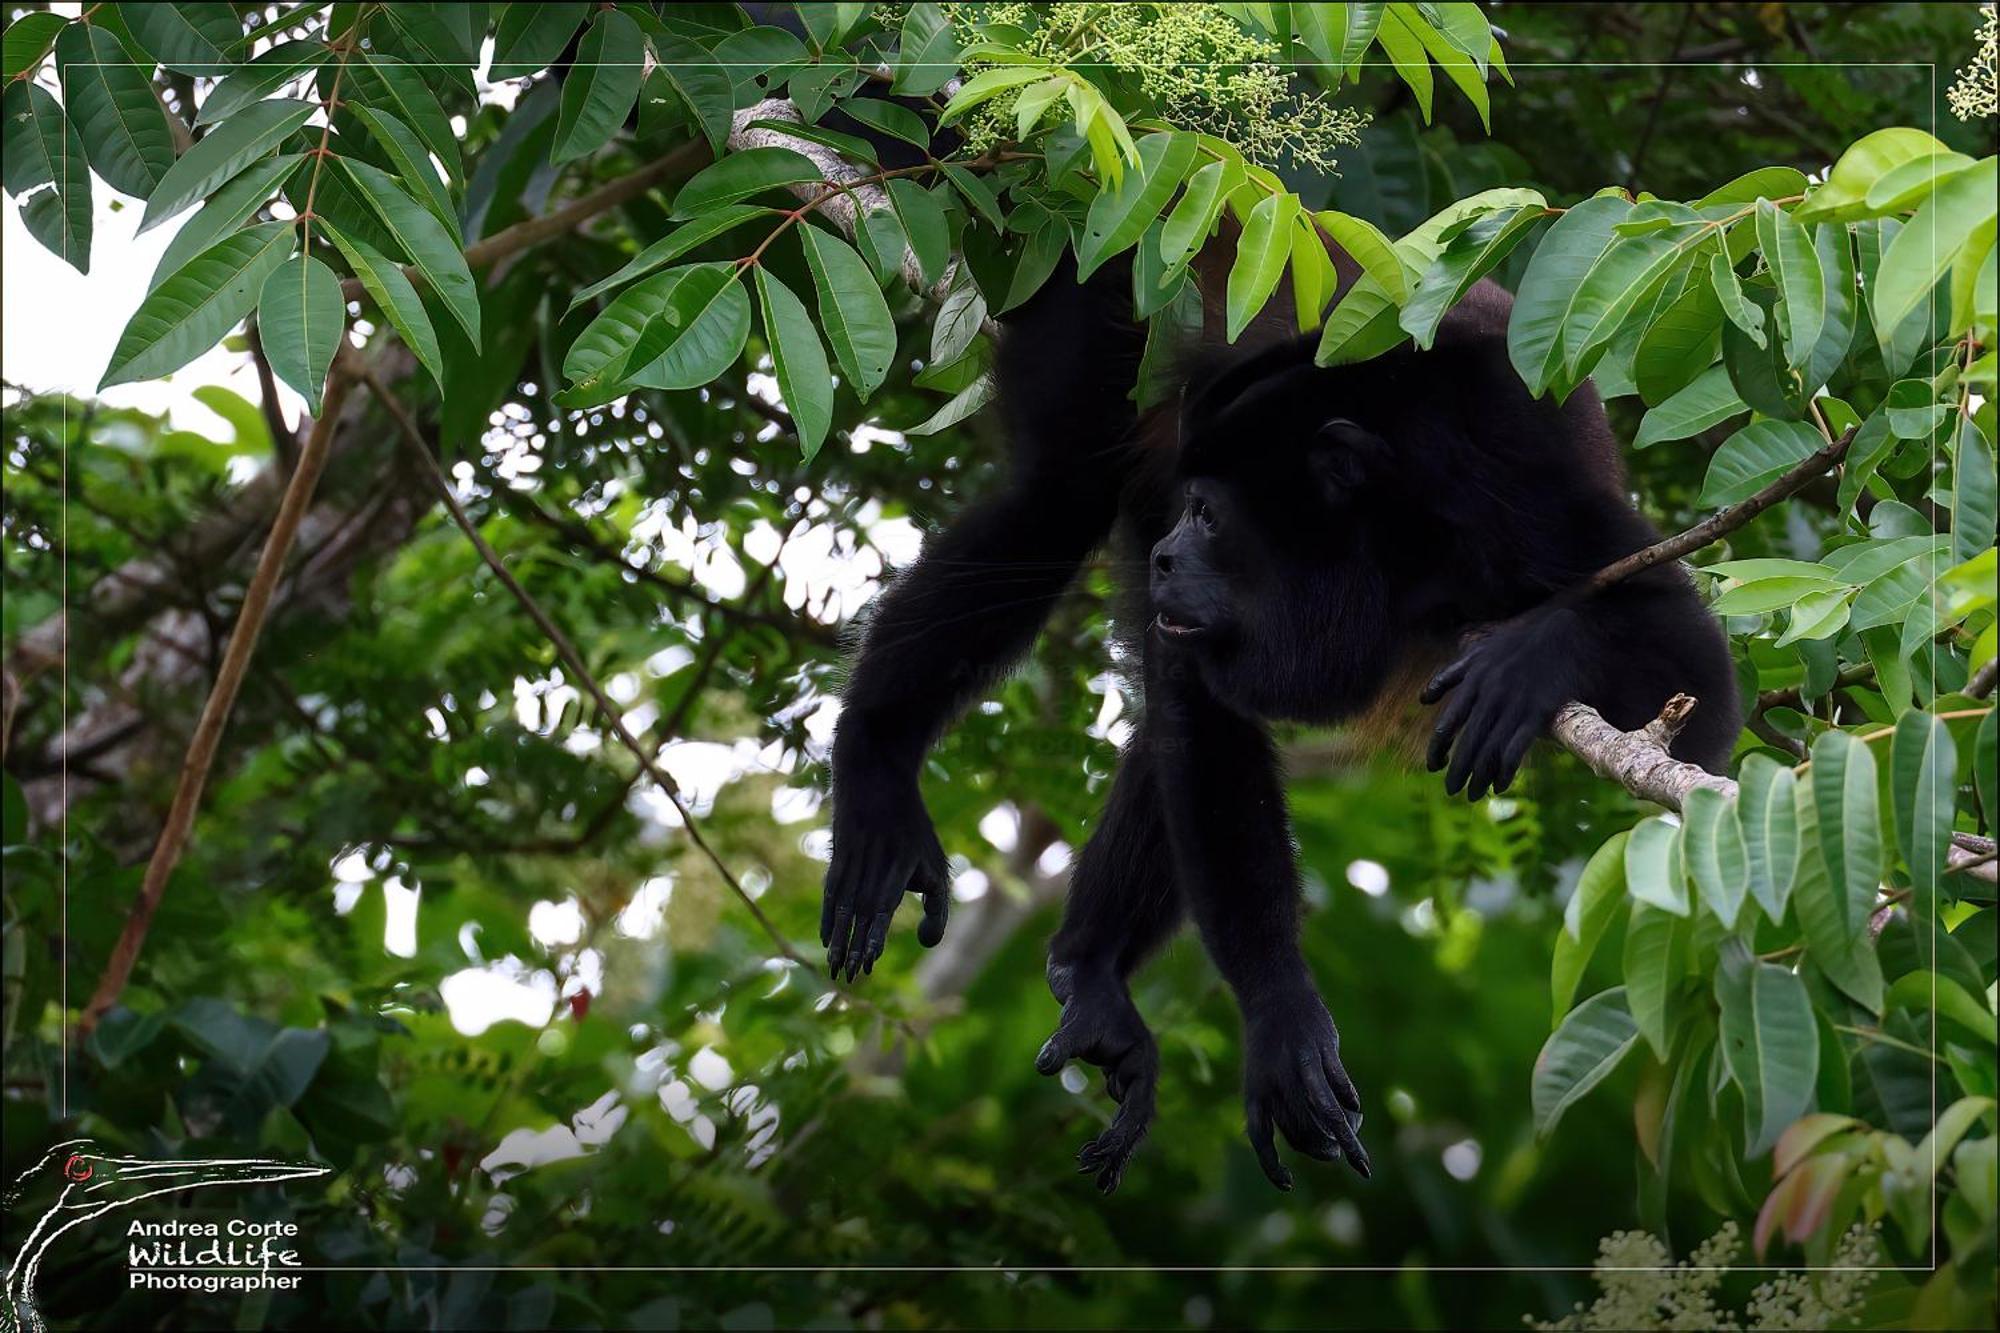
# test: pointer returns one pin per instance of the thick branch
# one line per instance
(1638, 761)
(1720, 524)
(215, 713)
(572, 660)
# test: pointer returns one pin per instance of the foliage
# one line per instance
(771, 336)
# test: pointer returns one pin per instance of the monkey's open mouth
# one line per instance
(1163, 623)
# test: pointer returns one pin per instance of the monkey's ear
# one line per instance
(1343, 455)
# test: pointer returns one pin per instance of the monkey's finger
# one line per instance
(1515, 753)
(1448, 724)
(878, 938)
(852, 883)
(1445, 679)
(937, 912)
(1488, 750)
(1471, 746)
(1062, 1045)
(1259, 1129)
(1343, 1087)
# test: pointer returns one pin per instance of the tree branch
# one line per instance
(1723, 522)
(214, 720)
(1638, 761)
(572, 660)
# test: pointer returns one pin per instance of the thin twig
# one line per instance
(406, 427)
(214, 720)
(1981, 683)
(1723, 522)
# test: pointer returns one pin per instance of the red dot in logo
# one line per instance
(77, 1168)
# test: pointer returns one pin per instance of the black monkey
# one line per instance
(1337, 530)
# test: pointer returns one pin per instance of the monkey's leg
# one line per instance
(973, 604)
(1123, 903)
(1225, 812)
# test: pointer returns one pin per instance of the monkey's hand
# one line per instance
(1293, 1079)
(883, 847)
(1505, 687)
(1101, 1026)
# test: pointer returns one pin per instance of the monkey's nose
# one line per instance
(1163, 560)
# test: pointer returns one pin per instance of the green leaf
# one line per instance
(898, 122)
(1923, 767)
(61, 221)
(1600, 891)
(424, 239)
(1466, 69)
(1655, 960)
(706, 323)
(1729, 293)
(703, 87)
(1542, 304)
(924, 226)
(1682, 341)
(1973, 503)
(1817, 615)
(601, 88)
(1261, 252)
(393, 295)
(1467, 258)
(405, 92)
(413, 163)
(1762, 183)
(1766, 812)
(191, 311)
(966, 402)
(926, 54)
(1120, 214)
(1754, 457)
(226, 210)
(1368, 247)
(740, 175)
(673, 245)
(113, 108)
(1709, 401)
(976, 192)
(1843, 197)
(857, 319)
(1653, 867)
(1033, 104)
(301, 316)
(226, 151)
(1592, 1041)
(1406, 54)
(191, 38)
(1905, 186)
(1717, 858)
(1363, 22)
(1759, 596)
(41, 146)
(253, 82)
(1193, 217)
(960, 315)
(1922, 252)
(1847, 960)
(799, 360)
(1626, 275)
(27, 40)
(531, 36)
(1850, 831)
(1794, 264)
(1769, 1043)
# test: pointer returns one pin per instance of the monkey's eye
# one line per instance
(1199, 511)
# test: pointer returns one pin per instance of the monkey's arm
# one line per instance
(1225, 814)
(1124, 901)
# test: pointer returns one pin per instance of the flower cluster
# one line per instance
(1193, 65)
(1977, 92)
(1644, 1289)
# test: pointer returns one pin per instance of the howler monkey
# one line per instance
(1317, 541)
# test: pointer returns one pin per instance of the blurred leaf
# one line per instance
(1580, 1054)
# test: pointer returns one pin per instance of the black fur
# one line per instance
(1315, 532)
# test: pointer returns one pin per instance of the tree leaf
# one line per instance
(1681, 342)
(857, 319)
(1843, 196)
(191, 38)
(206, 298)
(1850, 831)
(413, 163)
(1922, 252)
(1729, 292)
(1406, 55)
(1261, 252)
(898, 122)
(1368, 247)
(798, 359)
(1655, 960)
(393, 295)
(1769, 1043)
(251, 83)
(924, 226)
(1848, 961)
(986, 85)
(1788, 252)
(1973, 502)
(387, 83)
(226, 210)
(1761, 183)
(113, 108)
(1923, 768)
(673, 245)
(976, 192)
(1600, 891)
(1623, 279)
(966, 402)
(1716, 856)
(41, 146)
(601, 87)
(707, 322)
(1542, 304)
(1120, 214)
(1754, 457)
(926, 54)
(1766, 812)
(226, 151)
(531, 37)
(1467, 258)
(61, 221)
(704, 88)
(1193, 216)
(424, 239)
(1653, 867)
(27, 40)
(1592, 1041)
(740, 175)
(301, 316)
(1709, 401)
